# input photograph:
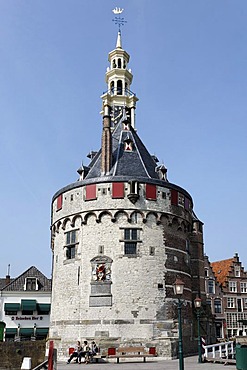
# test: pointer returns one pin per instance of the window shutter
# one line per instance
(151, 192)
(186, 203)
(91, 192)
(117, 190)
(174, 197)
(59, 202)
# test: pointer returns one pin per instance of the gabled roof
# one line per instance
(18, 283)
(221, 269)
(138, 162)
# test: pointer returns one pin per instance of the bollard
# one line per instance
(26, 363)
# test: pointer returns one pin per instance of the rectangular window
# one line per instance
(180, 200)
(31, 284)
(237, 271)
(230, 302)
(186, 203)
(217, 305)
(245, 302)
(233, 286)
(151, 192)
(211, 286)
(117, 190)
(174, 197)
(71, 241)
(130, 241)
(59, 202)
(243, 287)
(91, 192)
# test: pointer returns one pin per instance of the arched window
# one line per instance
(124, 64)
(112, 87)
(114, 64)
(119, 87)
(119, 63)
(126, 88)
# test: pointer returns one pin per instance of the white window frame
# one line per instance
(28, 280)
(243, 287)
(233, 286)
(211, 287)
(230, 302)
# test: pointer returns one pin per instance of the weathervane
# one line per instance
(118, 20)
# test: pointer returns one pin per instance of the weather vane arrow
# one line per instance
(118, 20)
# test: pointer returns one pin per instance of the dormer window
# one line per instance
(128, 144)
(31, 284)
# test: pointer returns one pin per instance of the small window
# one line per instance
(237, 271)
(71, 241)
(243, 287)
(160, 286)
(31, 284)
(152, 251)
(180, 200)
(217, 305)
(211, 286)
(233, 286)
(230, 302)
(130, 241)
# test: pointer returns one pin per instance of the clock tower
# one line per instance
(119, 101)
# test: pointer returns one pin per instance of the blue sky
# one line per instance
(189, 60)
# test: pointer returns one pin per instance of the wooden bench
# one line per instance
(131, 352)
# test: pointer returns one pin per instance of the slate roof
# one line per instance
(18, 283)
(3, 282)
(221, 270)
(137, 163)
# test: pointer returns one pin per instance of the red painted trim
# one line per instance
(117, 190)
(151, 192)
(59, 202)
(91, 192)
(174, 197)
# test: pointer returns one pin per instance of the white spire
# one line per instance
(119, 41)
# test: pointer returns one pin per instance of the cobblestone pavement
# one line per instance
(190, 363)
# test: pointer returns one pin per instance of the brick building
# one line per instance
(121, 234)
(233, 280)
(215, 329)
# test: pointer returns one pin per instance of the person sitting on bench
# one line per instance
(84, 353)
(77, 350)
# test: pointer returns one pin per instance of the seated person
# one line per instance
(77, 350)
(84, 353)
(93, 349)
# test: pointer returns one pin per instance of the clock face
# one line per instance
(118, 112)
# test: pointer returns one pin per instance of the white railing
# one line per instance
(219, 350)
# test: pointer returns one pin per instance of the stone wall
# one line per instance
(12, 353)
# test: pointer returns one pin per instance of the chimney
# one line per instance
(106, 146)
(7, 279)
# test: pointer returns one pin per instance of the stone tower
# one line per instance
(121, 235)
